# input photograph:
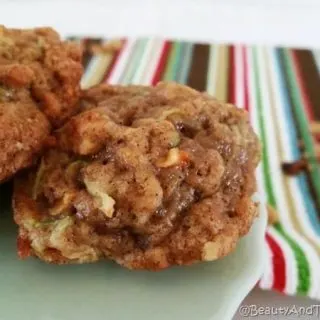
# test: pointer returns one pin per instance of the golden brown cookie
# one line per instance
(39, 81)
(150, 178)
(23, 130)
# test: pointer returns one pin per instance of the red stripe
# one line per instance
(231, 76)
(245, 78)
(162, 63)
(305, 98)
(113, 63)
(279, 265)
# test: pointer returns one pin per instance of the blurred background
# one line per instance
(285, 22)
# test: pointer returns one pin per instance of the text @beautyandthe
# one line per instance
(254, 310)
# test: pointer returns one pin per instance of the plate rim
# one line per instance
(260, 256)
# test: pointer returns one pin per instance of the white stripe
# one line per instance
(88, 72)
(316, 54)
(239, 80)
(254, 117)
(277, 177)
(266, 282)
(97, 70)
(153, 61)
(212, 69)
(143, 61)
(122, 61)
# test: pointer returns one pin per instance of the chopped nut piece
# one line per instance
(59, 228)
(165, 114)
(74, 168)
(211, 251)
(174, 157)
(272, 215)
(38, 180)
(63, 205)
(106, 203)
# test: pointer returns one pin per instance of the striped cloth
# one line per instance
(280, 87)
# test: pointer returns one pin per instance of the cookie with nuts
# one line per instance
(149, 177)
(39, 88)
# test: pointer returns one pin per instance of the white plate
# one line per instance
(32, 290)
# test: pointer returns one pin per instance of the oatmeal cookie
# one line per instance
(149, 177)
(39, 87)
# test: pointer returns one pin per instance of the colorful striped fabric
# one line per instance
(280, 87)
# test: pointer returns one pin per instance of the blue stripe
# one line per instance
(187, 56)
(295, 153)
(180, 63)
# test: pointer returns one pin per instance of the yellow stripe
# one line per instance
(212, 69)
(222, 77)
(97, 73)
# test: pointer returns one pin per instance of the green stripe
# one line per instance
(133, 61)
(136, 60)
(178, 61)
(302, 122)
(182, 63)
(265, 160)
(170, 72)
(146, 51)
(301, 260)
(185, 62)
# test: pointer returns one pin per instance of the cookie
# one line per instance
(23, 131)
(149, 177)
(39, 88)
